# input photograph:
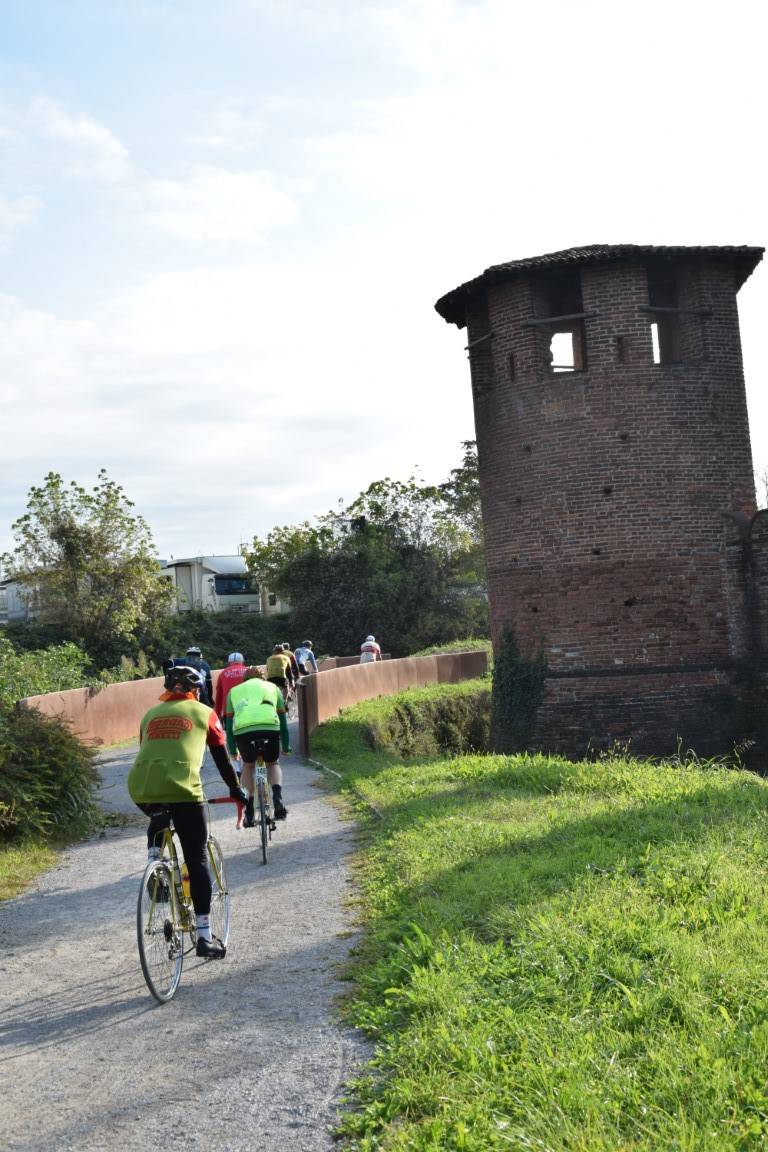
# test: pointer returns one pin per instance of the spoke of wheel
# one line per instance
(160, 939)
(220, 903)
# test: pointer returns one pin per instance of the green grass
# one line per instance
(473, 644)
(556, 955)
(21, 863)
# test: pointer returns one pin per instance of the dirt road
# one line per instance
(248, 1055)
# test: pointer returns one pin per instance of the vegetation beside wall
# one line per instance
(518, 690)
(438, 718)
(33, 673)
(47, 778)
(219, 633)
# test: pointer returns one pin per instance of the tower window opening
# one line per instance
(561, 352)
(566, 348)
(665, 314)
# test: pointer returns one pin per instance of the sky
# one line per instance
(223, 227)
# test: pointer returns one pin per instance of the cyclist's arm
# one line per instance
(312, 660)
(229, 721)
(216, 742)
(285, 738)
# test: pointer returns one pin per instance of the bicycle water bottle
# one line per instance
(185, 881)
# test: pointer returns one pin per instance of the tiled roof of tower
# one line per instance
(451, 306)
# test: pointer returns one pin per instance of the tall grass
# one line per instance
(557, 956)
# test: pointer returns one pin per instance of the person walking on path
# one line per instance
(369, 650)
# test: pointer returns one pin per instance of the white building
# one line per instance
(217, 583)
(14, 604)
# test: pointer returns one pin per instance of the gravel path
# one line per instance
(248, 1055)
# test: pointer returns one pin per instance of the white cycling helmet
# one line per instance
(370, 639)
(235, 658)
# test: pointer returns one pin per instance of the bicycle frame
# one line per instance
(165, 910)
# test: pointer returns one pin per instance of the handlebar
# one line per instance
(230, 800)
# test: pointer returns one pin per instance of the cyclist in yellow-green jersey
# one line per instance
(255, 719)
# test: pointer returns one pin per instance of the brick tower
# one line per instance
(617, 485)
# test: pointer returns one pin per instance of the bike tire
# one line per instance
(263, 819)
(220, 899)
(160, 937)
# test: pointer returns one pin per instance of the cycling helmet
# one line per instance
(371, 639)
(235, 658)
(184, 678)
(306, 643)
(277, 648)
(194, 651)
(285, 646)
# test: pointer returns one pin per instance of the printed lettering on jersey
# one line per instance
(168, 727)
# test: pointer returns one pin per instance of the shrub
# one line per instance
(32, 673)
(47, 777)
(218, 634)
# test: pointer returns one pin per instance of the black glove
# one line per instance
(239, 794)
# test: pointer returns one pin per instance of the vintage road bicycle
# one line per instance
(164, 912)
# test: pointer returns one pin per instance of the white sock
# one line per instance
(204, 928)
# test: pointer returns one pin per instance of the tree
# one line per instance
(87, 565)
(404, 559)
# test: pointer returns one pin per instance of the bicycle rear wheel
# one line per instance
(263, 819)
(220, 901)
(161, 940)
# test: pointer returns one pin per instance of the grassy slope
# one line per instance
(558, 955)
(21, 863)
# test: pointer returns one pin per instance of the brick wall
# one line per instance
(604, 493)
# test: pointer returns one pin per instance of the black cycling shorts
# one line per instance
(279, 682)
(250, 744)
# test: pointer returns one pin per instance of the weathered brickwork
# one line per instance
(616, 496)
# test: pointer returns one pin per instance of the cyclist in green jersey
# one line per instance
(256, 720)
(165, 783)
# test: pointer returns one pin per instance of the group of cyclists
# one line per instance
(165, 778)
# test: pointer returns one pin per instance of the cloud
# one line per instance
(16, 213)
(92, 149)
(218, 206)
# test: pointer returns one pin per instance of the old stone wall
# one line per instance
(605, 493)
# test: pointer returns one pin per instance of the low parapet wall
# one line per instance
(321, 697)
(112, 714)
(105, 716)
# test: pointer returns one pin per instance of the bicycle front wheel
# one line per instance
(263, 819)
(220, 901)
(161, 940)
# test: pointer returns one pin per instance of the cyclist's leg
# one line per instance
(159, 820)
(275, 774)
(245, 747)
(191, 823)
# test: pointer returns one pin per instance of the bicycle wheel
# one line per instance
(161, 941)
(220, 901)
(263, 819)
